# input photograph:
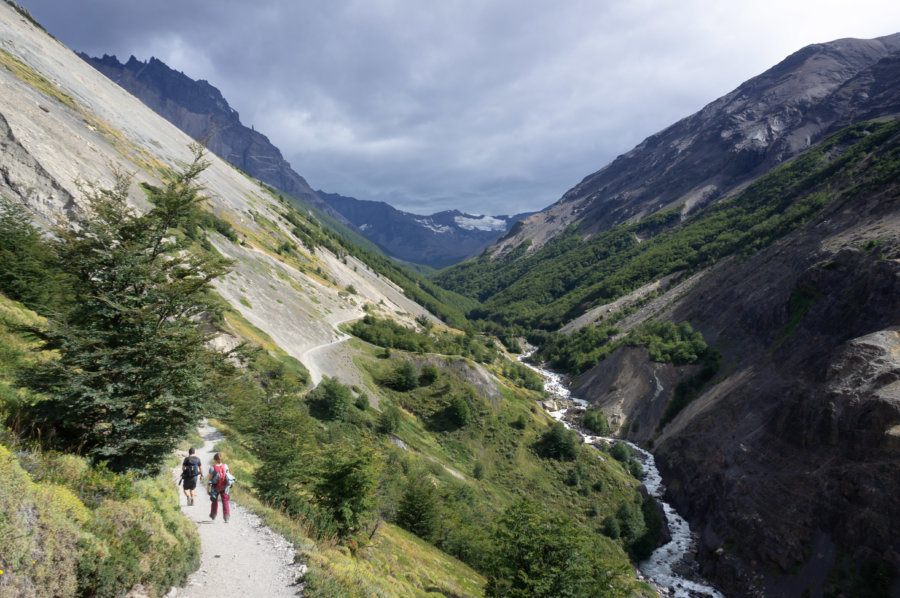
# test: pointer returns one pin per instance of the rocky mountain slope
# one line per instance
(63, 123)
(717, 151)
(198, 109)
(770, 226)
(437, 240)
(784, 461)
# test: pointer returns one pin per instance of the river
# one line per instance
(660, 568)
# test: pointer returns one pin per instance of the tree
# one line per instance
(458, 411)
(558, 443)
(429, 375)
(330, 400)
(346, 486)
(405, 377)
(389, 420)
(133, 373)
(419, 510)
(26, 271)
(539, 554)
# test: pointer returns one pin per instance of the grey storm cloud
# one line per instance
(491, 106)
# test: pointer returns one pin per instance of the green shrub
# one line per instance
(594, 420)
(330, 400)
(404, 377)
(621, 451)
(52, 543)
(558, 443)
(389, 420)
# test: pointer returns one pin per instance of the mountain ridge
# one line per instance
(718, 150)
(200, 110)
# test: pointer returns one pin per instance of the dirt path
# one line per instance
(312, 358)
(241, 558)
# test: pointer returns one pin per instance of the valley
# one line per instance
(724, 297)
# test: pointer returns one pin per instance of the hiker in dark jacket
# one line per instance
(191, 471)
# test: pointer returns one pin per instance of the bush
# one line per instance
(594, 420)
(458, 412)
(621, 451)
(558, 443)
(389, 420)
(97, 549)
(330, 400)
(429, 375)
(404, 377)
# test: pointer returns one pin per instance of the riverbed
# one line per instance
(663, 567)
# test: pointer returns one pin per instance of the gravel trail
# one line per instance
(242, 558)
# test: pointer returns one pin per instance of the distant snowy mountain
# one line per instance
(437, 240)
(198, 109)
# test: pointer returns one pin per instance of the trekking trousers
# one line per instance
(214, 507)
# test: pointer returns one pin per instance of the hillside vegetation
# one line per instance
(571, 274)
(101, 387)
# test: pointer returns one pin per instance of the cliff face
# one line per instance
(732, 141)
(787, 462)
(198, 109)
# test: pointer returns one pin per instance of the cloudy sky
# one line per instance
(487, 106)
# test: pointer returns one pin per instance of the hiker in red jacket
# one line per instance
(219, 485)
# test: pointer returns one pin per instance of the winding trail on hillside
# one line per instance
(242, 558)
(309, 358)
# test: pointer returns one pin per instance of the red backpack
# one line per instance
(221, 480)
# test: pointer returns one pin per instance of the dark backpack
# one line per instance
(193, 469)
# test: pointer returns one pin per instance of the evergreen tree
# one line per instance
(546, 555)
(26, 270)
(345, 485)
(419, 510)
(133, 373)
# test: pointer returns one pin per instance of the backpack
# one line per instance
(193, 469)
(222, 480)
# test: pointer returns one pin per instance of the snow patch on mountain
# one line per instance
(469, 222)
(433, 226)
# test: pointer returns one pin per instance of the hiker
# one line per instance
(191, 472)
(219, 486)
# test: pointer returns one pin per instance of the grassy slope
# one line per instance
(67, 529)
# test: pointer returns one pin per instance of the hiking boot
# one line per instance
(213, 517)
(225, 518)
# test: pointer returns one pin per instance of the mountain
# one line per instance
(727, 294)
(198, 109)
(717, 151)
(397, 456)
(437, 240)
